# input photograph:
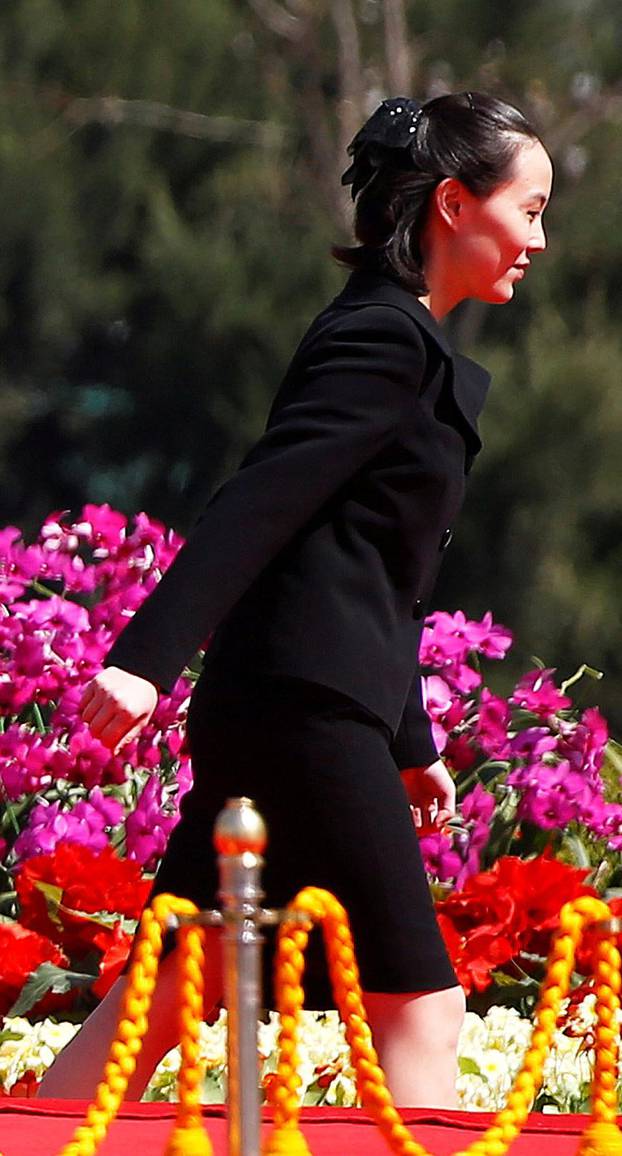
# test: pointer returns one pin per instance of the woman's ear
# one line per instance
(449, 196)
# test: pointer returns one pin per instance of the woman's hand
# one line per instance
(432, 794)
(116, 705)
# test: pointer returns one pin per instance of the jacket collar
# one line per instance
(469, 381)
(382, 289)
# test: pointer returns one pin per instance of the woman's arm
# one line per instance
(348, 398)
(413, 745)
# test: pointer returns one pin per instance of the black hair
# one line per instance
(471, 136)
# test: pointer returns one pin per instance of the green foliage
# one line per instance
(47, 978)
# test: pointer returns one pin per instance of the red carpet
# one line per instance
(42, 1127)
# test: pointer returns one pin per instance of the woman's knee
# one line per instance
(435, 1015)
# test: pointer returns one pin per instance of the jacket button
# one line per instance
(446, 539)
(418, 608)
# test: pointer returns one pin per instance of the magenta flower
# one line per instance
(532, 743)
(19, 564)
(478, 806)
(91, 763)
(609, 826)
(493, 721)
(149, 825)
(583, 743)
(440, 860)
(494, 640)
(26, 761)
(460, 752)
(450, 638)
(87, 823)
(103, 528)
(553, 795)
(536, 692)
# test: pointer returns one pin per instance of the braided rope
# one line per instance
(601, 1138)
(132, 1028)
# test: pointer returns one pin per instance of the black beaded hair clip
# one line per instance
(390, 135)
(389, 132)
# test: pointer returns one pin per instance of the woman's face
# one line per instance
(496, 235)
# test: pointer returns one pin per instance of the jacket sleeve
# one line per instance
(345, 398)
(413, 745)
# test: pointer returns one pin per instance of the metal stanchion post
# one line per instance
(239, 838)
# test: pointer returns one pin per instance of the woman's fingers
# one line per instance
(116, 705)
(118, 731)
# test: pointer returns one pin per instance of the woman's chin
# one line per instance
(500, 294)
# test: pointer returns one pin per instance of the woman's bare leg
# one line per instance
(79, 1067)
(416, 1037)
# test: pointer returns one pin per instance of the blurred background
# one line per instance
(169, 190)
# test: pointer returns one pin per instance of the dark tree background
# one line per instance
(169, 191)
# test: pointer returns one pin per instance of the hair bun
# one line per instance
(389, 131)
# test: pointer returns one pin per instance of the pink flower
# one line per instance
(460, 752)
(87, 823)
(438, 701)
(610, 826)
(439, 858)
(493, 721)
(25, 761)
(91, 763)
(19, 564)
(537, 693)
(532, 743)
(450, 638)
(553, 795)
(149, 825)
(478, 805)
(490, 639)
(583, 743)
(103, 528)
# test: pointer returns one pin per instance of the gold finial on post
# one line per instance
(239, 838)
(239, 828)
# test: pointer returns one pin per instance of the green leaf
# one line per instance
(47, 978)
(469, 1067)
(8, 1035)
(578, 851)
(613, 754)
(55, 906)
(52, 895)
(314, 1096)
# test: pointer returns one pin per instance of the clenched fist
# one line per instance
(116, 705)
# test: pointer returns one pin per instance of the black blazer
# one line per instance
(317, 558)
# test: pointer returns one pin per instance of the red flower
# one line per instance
(541, 887)
(112, 962)
(25, 1087)
(69, 895)
(21, 952)
(500, 913)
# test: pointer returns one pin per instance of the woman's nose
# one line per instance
(537, 240)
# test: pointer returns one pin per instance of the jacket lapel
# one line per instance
(469, 381)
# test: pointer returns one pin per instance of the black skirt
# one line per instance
(319, 769)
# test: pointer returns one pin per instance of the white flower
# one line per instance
(33, 1047)
(491, 1052)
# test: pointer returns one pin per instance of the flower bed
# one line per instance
(81, 830)
(490, 1054)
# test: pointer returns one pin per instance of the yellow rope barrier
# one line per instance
(188, 1135)
(602, 1137)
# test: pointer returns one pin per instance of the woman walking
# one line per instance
(310, 572)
